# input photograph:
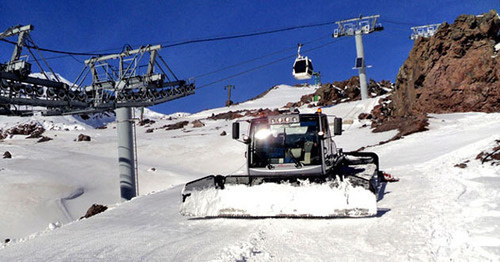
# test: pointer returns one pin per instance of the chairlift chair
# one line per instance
(302, 67)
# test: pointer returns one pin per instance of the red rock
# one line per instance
(456, 70)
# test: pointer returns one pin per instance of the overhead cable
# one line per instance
(265, 65)
(257, 58)
(210, 39)
(245, 35)
(55, 51)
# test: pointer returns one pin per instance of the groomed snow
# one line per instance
(437, 212)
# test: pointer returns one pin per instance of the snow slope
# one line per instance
(437, 212)
(277, 97)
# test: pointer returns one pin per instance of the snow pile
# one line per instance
(331, 199)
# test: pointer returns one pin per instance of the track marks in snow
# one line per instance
(449, 205)
(62, 203)
(249, 250)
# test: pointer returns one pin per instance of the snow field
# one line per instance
(437, 212)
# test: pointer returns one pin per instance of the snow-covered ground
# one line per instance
(437, 212)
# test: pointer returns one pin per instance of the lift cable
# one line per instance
(246, 34)
(392, 21)
(267, 64)
(257, 58)
(209, 39)
(45, 61)
(66, 53)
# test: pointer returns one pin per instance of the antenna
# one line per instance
(358, 27)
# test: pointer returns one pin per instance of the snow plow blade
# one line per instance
(349, 191)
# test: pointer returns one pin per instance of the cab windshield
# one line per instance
(295, 143)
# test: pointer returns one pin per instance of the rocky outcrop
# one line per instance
(491, 156)
(231, 115)
(31, 130)
(177, 125)
(342, 91)
(44, 139)
(146, 121)
(197, 123)
(456, 70)
(94, 210)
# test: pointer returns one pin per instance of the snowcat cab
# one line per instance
(289, 150)
(287, 146)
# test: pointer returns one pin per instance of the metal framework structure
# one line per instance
(357, 27)
(424, 31)
(317, 78)
(132, 78)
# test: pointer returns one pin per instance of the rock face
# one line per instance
(241, 113)
(456, 70)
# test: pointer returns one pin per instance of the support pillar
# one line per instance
(126, 162)
(228, 88)
(361, 70)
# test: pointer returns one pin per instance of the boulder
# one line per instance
(44, 139)
(7, 154)
(198, 123)
(82, 137)
(94, 210)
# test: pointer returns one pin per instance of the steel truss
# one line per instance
(117, 81)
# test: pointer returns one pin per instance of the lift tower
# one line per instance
(423, 31)
(357, 27)
(228, 88)
(132, 78)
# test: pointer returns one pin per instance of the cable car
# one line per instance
(302, 67)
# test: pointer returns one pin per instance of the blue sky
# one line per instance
(94, 26)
